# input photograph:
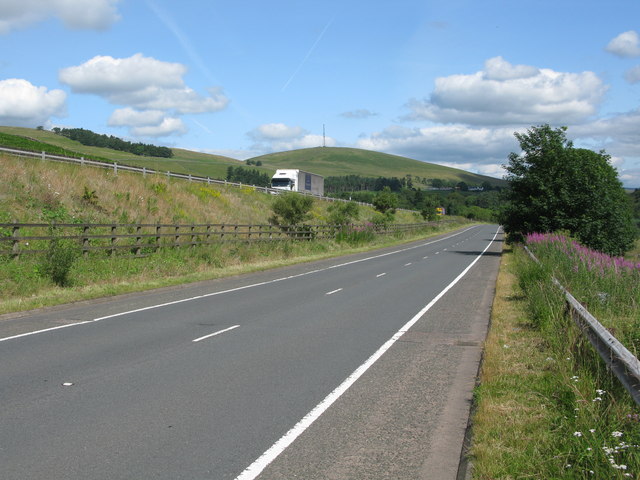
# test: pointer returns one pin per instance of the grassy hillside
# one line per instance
(32, 191)
(183, 161)
(326, 161)
(334, 161)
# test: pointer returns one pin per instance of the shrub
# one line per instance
(60, 257)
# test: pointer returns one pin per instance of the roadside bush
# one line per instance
(290, 210)
(59, 259)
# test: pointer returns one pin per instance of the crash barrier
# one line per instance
(618, 358)
(18, 239)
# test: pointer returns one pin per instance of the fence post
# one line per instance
(193, 236)
(176, 241)
(221, 231)
(85, 240)
(113, 239)
(15, 248)
(138, 239)
(208, 236)
(158, 227)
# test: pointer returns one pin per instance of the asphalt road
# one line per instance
(359, 367)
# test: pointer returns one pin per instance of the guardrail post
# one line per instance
(82, 161)
(115, 168)
(43, 155)
(189, 177)
(144, 171)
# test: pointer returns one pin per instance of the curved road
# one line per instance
(358, 367)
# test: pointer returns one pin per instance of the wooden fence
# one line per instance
(139, 239)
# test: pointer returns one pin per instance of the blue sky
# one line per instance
(447, 82)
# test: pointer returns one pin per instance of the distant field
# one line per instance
(326, 161)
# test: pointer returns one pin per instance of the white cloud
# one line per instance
(75, 14)
(626, 44)
(24, 104)
(130, 117)
(145, 86)
(272, 137)
(505, 94)
(108, 76)
(168, 126)
(358, 114)
(276, 131)
(482, 150)
(633, 75)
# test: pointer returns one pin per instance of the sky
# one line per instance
(441, 81)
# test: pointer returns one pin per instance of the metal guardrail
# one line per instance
(618, 358)
(33, 238)
(116, 167)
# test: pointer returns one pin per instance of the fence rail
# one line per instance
(18, 239)
(618, 358)
(116, 167)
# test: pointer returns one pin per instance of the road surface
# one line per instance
(357, 367)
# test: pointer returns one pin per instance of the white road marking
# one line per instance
(212, 294)
(407, 264)
(215, 333)
(380, 275)
(333, 291)
(253, 470)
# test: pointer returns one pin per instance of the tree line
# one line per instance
(89, 138)
(250, 176)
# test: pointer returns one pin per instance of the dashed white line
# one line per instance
(253, 470)
(407, 264)
(333, 291)
(380, 275)
(215, 333)
(222, 292)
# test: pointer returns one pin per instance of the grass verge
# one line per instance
(27, 283)
(546, 407)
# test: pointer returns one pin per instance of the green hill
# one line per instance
(335, 161)
(183, 161)
(326, 161)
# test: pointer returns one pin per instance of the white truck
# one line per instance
(298, 181)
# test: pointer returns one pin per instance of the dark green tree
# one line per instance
(290, 210)
(554, 186)
(385, 201)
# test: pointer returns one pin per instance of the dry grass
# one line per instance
(510, 411)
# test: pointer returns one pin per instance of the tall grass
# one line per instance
(547, 405)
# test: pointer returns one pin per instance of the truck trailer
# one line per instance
(294, 180)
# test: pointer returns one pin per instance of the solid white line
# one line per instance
(214, 334)
(333, 291)
(42, 331)
(160, 305)
(380, 275)
(253, 470)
